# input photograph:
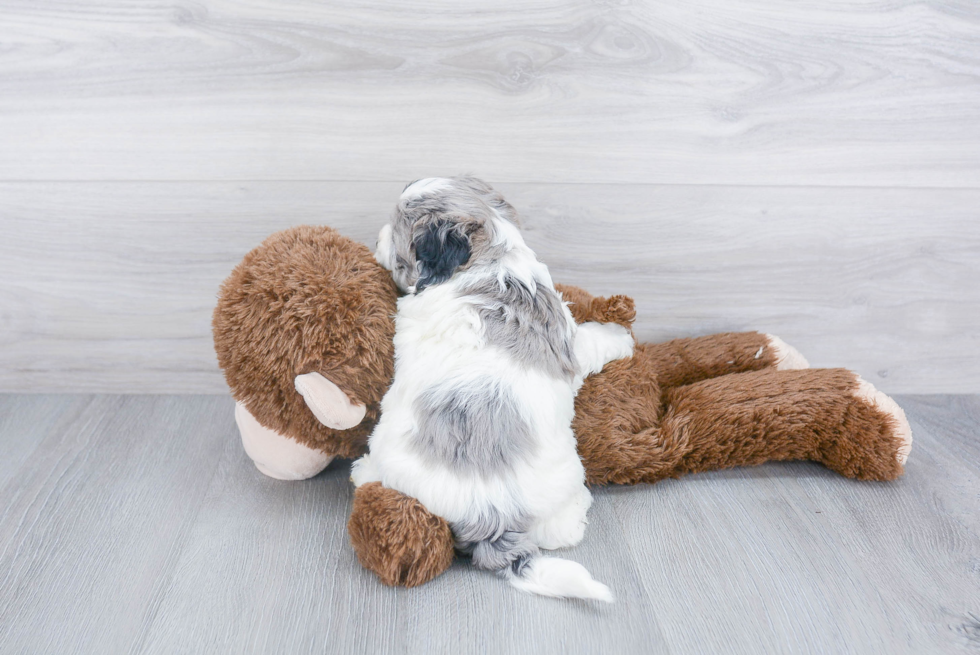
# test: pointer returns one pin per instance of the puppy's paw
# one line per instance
(566, 528)
(597, 344)
(382, 254)
(557, 534)
(618, 340)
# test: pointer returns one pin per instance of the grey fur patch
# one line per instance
(496, 542)
(467, 203)
(531, 326)
(471, 429)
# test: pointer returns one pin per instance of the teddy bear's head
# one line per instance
(307, 300)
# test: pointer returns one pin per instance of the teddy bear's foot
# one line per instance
(787, 357)
(395, 536)
(276, 455)
(884, 404)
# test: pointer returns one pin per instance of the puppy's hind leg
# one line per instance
(363, 471)
(566, 527)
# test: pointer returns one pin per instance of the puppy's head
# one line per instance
(440, 226)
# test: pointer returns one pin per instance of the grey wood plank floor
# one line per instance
(136, 524)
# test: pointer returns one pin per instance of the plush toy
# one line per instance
(303, 330)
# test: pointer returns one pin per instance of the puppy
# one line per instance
(477, 422)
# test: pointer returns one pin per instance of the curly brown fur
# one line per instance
(706, 403)
(397, 537)
(308, 300)
(617, 420)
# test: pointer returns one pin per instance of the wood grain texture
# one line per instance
(818, 92)
(109, 287)
(94, 518)
(140, 526)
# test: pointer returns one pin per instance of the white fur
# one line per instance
(438, 337)
(382, 254)
(549, 576)
(427, 185)
(788, 358)
(597, 344)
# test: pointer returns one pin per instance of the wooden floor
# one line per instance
(136, 524)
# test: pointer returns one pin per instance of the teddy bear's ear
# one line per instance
(328, 402)
(441, 247)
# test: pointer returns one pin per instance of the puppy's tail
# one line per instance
(512, 555)
(560, 578)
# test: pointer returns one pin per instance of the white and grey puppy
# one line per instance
(477, 422)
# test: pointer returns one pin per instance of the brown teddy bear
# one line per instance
(303, 330)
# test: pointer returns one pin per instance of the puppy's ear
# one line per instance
(440, 248)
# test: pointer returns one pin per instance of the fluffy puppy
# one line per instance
(477, 422)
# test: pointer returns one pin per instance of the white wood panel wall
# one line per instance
(808, 168)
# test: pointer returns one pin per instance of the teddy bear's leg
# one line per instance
(395, 536)
(827, 415)
(277, 455)
(686, 361)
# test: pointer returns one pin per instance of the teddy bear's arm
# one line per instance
(363, 471)
(685, 361)
(586, 307)
(395, 536)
